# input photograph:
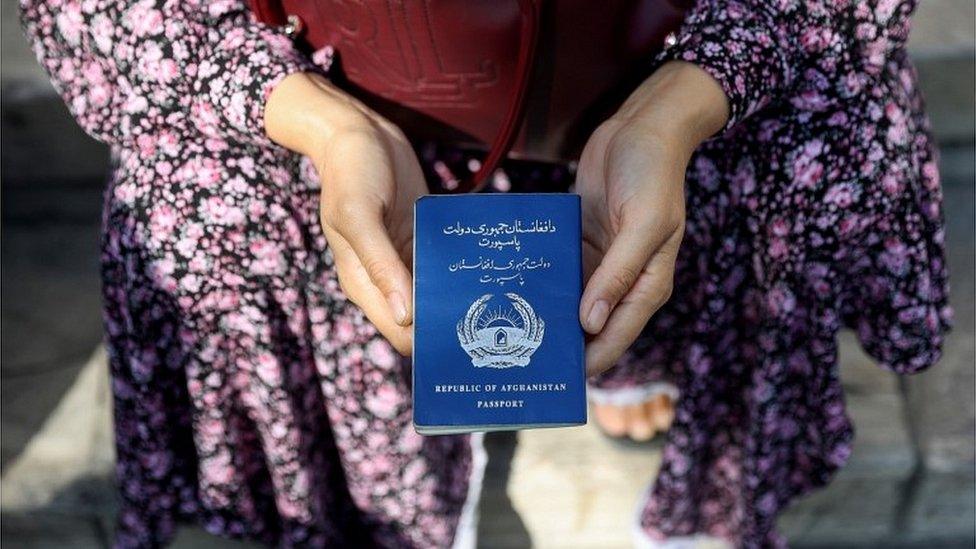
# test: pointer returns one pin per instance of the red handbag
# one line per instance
(519, 77)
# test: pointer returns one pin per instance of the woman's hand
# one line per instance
(631, 180)
(370, 179)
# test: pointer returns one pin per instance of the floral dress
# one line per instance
(818, 208)
(253, 397)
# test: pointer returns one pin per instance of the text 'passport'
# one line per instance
(497, 339)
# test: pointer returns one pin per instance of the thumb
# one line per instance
(363, 228)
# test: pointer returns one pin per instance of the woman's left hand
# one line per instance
(631, 181)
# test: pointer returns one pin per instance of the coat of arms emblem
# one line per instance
(503, 336)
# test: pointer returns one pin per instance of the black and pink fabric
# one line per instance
(253, 397)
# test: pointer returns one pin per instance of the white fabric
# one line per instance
(697, 541)
(466, 536)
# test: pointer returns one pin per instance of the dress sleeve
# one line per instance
(759, 50)
(126, 68)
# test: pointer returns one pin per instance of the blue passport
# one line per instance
(497, 339)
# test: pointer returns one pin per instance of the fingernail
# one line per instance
(598, 316)
(398, 306)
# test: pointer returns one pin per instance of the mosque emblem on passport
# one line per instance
(500, 335)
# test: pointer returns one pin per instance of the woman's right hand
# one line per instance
(370, 179)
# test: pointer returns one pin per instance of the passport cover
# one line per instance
(497, 339)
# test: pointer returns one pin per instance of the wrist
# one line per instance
(680, 102)
(305, 111)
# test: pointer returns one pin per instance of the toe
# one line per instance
(661, 411)
(639, 426)
(610, 419)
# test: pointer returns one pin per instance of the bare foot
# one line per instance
(640, 422)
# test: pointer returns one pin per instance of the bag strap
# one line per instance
(512, 123)
(272, 12)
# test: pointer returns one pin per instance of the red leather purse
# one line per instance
(518, 77)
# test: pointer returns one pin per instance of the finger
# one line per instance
(361, 225)
(619, 269)
(359, 288)
(652, 289)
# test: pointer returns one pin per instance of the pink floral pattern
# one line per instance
(250, 394)
(819, 208)
(253, 396)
